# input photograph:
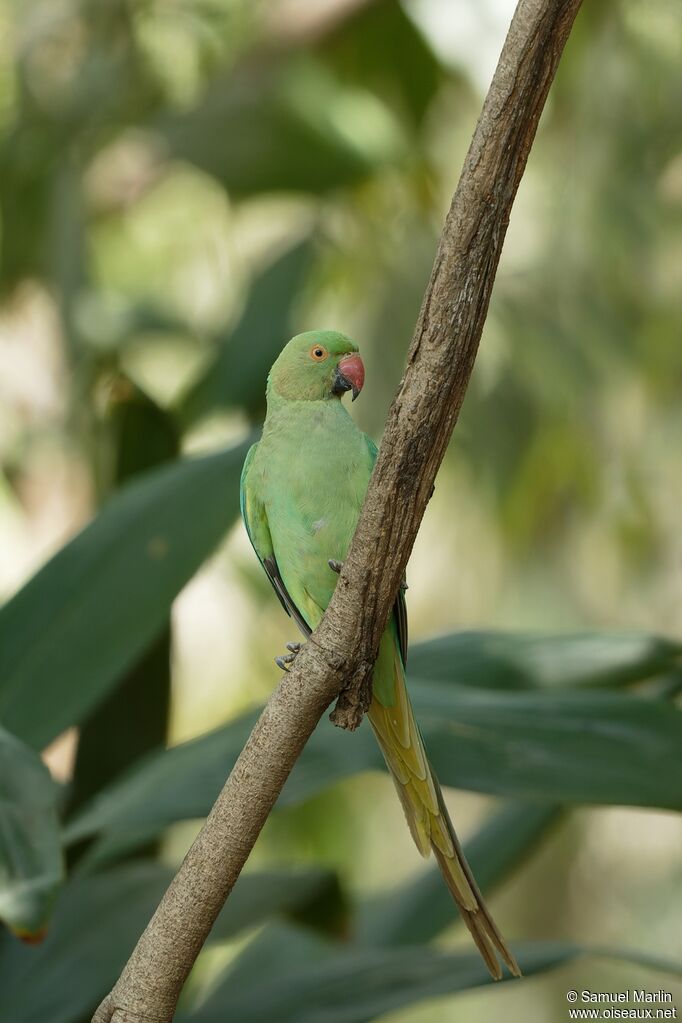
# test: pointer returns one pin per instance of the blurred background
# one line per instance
(184, 184)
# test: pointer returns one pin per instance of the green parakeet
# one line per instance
(302, 489)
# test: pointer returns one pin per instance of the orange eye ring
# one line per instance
(318, 353)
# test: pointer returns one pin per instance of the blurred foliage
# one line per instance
(30, 843)
(184, 185)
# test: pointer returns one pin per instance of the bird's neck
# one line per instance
(284, 414)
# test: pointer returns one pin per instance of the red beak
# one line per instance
(350, 374)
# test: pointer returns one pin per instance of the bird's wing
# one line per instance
(256, 523)
(400, 606)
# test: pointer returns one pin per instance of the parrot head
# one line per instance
(317, 365)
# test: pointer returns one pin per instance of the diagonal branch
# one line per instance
(340, 655)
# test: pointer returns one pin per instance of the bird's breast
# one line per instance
(314, 490)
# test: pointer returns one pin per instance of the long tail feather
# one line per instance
(429, 822)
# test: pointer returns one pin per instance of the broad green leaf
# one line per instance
(111, 848)
(97, 922)
(507, 837)
(137, 709)
(262, 894)
(237, 374)
(284, 945)
(585, 746)
(505, 660)
(308, 981)
(137, 436)
(30, 847)
(415, 912)
(183, 782)
(167, 786)
(294, 128)
(70, 633)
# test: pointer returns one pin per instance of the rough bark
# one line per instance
(339, 657)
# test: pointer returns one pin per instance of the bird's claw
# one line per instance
(285, 660)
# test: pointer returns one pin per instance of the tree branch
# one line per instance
(339, 656)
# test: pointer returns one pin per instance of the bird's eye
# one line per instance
(318, 353)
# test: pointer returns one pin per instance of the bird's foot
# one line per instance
(286, 660)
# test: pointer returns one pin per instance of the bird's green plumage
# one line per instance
(302, 489)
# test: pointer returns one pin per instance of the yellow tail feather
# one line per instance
(429, 822)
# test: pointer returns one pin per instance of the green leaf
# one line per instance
(69, 634)
(502, 660)
(584, 746)
(307, 981)
(236, 376)
(137, 709)
(111, 848)
(97, 922)
(137, 436)
(507, 837)
(260, 895)
(30, 847)
(415, 912)
(183, 782)
(573, 747)
(291, 127)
